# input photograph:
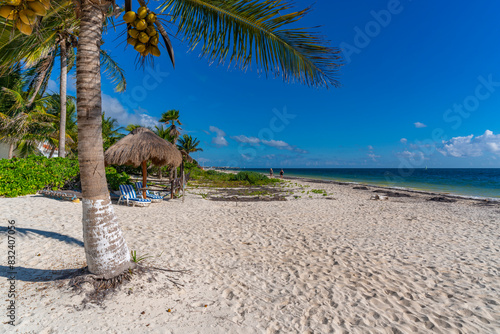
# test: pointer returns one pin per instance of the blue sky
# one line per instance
(420, 87)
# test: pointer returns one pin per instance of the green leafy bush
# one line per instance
(128, 169)
(115, 179)
(19, 177)
(251, 177)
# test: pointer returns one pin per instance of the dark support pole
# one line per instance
(144, 178)
(181, 185)
(172, 183)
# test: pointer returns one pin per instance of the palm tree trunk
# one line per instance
(62, 94)
(52, 150)
(105, 248)
(11, 150)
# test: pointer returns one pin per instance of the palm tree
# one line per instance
(132, 127)
(189, 144)
(26, 125)
(255, 30)
(56, 36)
(110, 131)
(172, 116)
(11, 81)
(71, 128)
(164, 133)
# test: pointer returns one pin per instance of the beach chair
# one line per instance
(154, 198)
(129, 196)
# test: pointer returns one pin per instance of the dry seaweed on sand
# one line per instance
(391, 193)
(442, 199)
(96, 288)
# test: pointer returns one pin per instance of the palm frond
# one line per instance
(39, 75)
(257, 31)
(166, 40)
(114, 72)
(16, 96)
(16, 47)
(189, 144)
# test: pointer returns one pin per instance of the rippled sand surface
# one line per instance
(346, 264)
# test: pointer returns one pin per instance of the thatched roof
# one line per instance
(143, 144)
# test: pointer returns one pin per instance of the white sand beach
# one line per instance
(340, 263)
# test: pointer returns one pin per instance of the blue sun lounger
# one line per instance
(129, 196)
(154, 198)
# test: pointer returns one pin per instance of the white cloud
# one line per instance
(373, 156)
(472, 147)
(219, 140)
(413, 155)
(404, 140)
(370, 147)
(419, 125)
(279, 144)
(246, 140)
(113, 108)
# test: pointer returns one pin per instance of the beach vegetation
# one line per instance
(172, 117)
(19, 177)
(137, 259)
(24, 176)
(111, 131)
(250, 177)
(25, 123)
(115, 179)
(215, 179)
(189, 144)
(319, 191)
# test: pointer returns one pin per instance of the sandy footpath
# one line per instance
(346, 264)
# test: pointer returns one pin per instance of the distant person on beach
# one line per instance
(271, 172)
(281, 173)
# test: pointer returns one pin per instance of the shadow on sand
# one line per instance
(53, 235)
(38, 275)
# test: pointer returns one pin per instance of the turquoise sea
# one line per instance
(470, 182)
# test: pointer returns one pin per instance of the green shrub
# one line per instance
(251, 177)
(130, 170)
(115, 179)
(20, 177)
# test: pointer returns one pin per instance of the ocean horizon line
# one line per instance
(483, 183)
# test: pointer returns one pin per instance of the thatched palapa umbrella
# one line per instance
(140, 146)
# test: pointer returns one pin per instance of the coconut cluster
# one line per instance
(24, 13)
(142, 33)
